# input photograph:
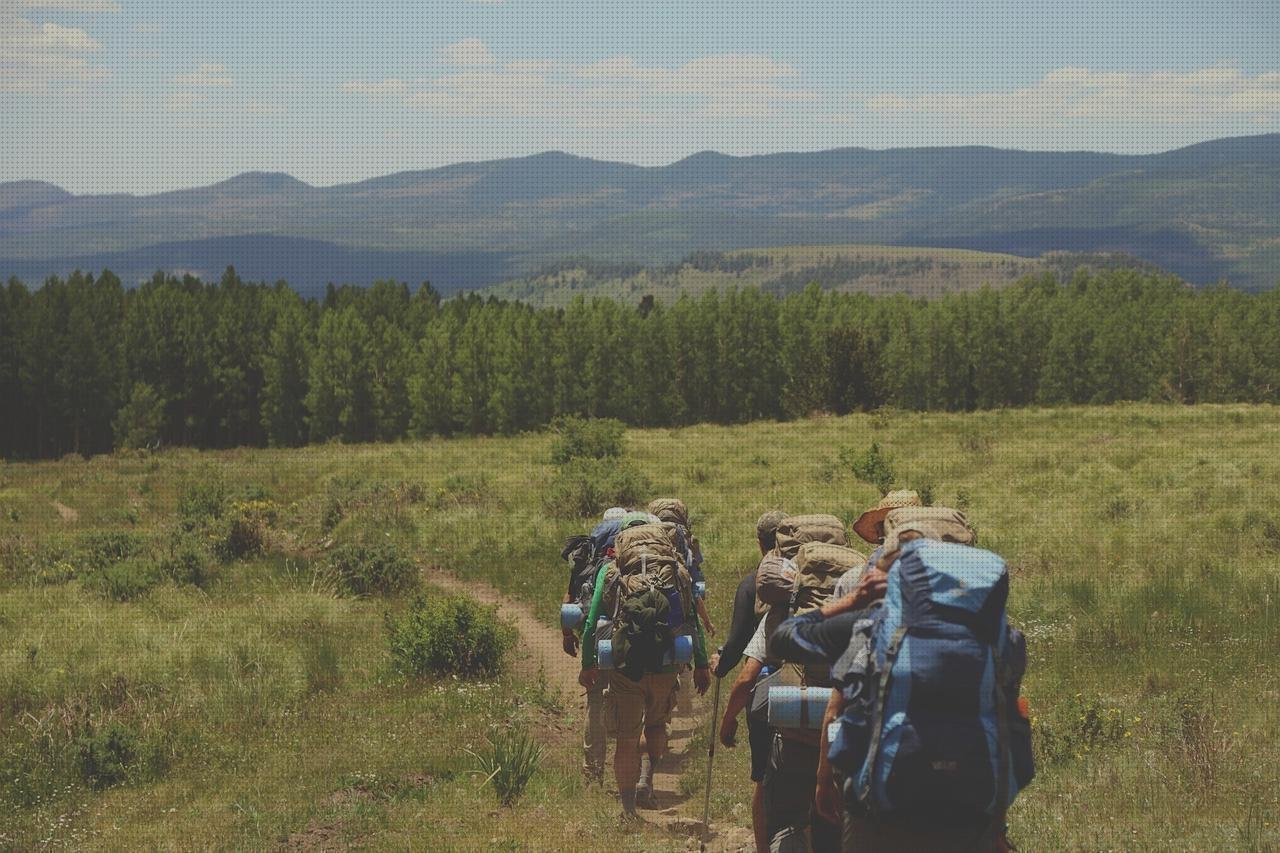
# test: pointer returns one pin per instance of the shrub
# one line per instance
(584, 487)
(241, 531)
(99, 550)
(582, 438)
(202, 503)
(128, 580)
(872, 466)
(510, 762)
(381, 569)
(187, 561)
(105, 757)
(449, 636)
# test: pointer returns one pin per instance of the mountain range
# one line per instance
(1206, 212)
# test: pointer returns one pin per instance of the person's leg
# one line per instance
(760, 739)
(660, 701)
(626, 703)
(595, 734)
(758, 826)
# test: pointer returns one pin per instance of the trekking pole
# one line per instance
(711, 753)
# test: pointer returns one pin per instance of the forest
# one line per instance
(88, 365)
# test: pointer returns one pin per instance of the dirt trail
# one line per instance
(543, 656)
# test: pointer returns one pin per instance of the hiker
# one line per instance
(747, 640)
(810, 553)
(934, 791)
(646, 595)
(589, 556)
(674, 511)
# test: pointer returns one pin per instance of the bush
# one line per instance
(202, 503)
(128, 580)
(99, 550)
(449, 636)
(381, 569)
(105, 757)
(510, 763)
(585, 487)
(872, 467)
(241, 532)
(581, 438)
(187, 561)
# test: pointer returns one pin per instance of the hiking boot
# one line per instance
(629, 814)
(645, 797)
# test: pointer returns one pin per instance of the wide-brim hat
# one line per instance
(866, 524)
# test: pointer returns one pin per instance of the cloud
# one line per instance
(617, 90)
(208, 75)
(469, 51)
(72, 5)
(39, 57)
(1072, 95)
(184, 102)
(376, 89)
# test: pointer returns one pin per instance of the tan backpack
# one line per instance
(796, 530)
(775, 581)
(645, 555)
(933, 522)
(818, 566)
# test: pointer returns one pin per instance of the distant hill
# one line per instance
(875, 270)
(1205, 212)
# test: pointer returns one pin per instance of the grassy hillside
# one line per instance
(853, 269)
(262, 710)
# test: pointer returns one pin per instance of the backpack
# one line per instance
(932, 730)
(933, 522)
(652, 600)
(775, 580)
(585, 554)
(818, 566)
(796, 530)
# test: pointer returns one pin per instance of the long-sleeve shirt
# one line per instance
(810, 639)
(745, 620)
(590, 641)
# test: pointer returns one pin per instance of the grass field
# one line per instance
(248, 703)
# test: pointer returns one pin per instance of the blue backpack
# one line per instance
(932, 729)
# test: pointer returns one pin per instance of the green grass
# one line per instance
(261, 704)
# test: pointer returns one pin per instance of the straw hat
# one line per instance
(866, 524)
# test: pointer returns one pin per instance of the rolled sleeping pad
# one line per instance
(571, 616)
(681, 653)
(700, 589)
(797, 707)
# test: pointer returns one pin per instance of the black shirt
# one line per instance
(742, 627)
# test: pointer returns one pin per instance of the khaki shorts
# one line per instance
(633, 706)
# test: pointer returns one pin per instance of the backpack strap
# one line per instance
(877, 717)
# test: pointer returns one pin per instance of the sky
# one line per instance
(144, 96)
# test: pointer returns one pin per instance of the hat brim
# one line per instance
(865, 526)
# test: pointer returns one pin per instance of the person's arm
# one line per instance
(810, 638)
(593, 616)
(826, 796)
(738, 699)
(741, 627)
(701, 605)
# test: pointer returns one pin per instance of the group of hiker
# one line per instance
(881, 690)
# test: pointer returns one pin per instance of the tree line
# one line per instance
(87, 364)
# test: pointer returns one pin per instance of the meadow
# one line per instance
(181, 667)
